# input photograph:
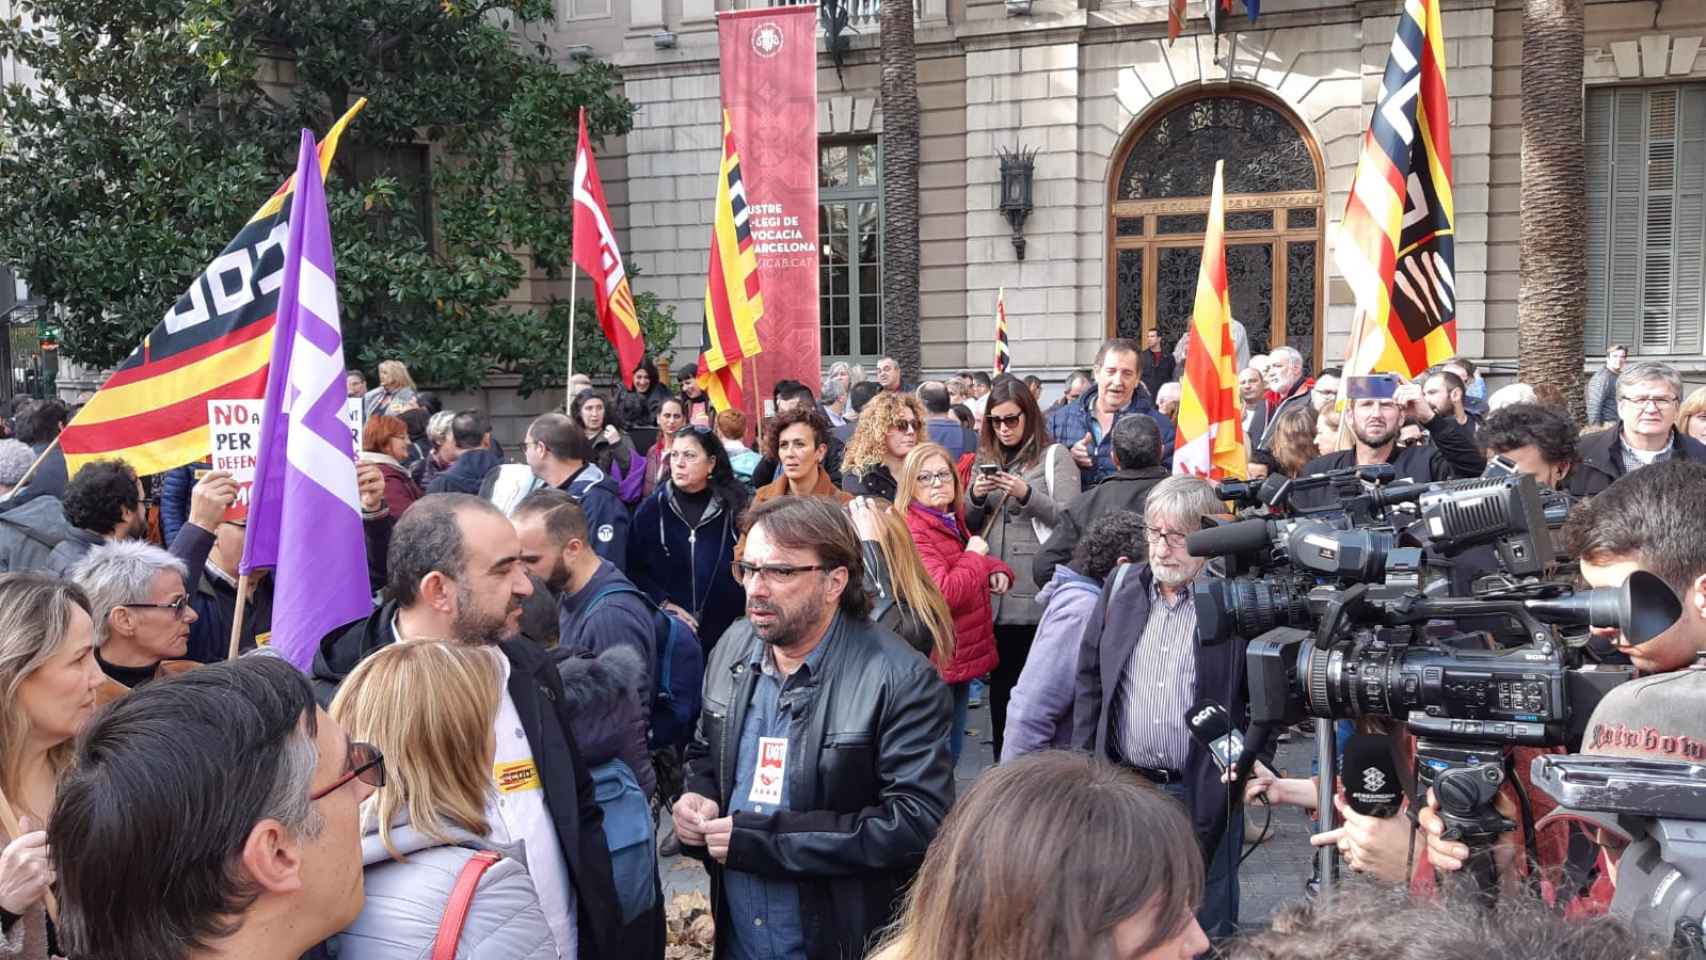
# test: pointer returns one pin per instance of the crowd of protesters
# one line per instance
(664, 626)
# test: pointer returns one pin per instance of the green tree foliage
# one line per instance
(161, 125)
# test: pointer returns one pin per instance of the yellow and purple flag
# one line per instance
(733, 302)
(1395, 246)
(1211, 431)
(304, 511)
(212, 344)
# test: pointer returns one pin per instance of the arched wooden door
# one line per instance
(1158, 212)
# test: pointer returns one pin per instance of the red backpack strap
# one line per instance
(456, 911)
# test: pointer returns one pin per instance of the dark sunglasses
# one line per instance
(367, 764)
(1011, 420)
(905, 426)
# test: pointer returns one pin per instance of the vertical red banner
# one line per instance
(769, 80)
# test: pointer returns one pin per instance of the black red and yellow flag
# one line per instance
(733, 302)
(213, 344)
(1396, 247)
(1003, 355)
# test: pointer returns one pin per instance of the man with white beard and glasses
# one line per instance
(819, 772)
(1140, 670)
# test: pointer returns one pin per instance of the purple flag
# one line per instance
(304, 512)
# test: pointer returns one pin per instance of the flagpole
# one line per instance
(574, 308)
(237, 619)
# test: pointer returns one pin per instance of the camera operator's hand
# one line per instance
(1448, 856)
(1415, 406)
(1377, 846)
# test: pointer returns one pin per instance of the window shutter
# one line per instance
(1658, 247)
(1628, 174)
(1690, 301)
(1598, 141)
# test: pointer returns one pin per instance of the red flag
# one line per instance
(1175, 19)
(597, 254)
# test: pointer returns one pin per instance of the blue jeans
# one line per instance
(957, 732)
(1218, 915)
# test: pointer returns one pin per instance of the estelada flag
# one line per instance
(733, 302)
(1211, 432)
(1003, 356)
(1396, 247)
(596, 253)
(214, 344)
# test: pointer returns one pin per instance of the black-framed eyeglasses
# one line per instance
(777, 573)
(176, 606)
(367, 764)
(1011, 420)
(1155, 536)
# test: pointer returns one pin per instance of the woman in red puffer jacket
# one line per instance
(960, 564)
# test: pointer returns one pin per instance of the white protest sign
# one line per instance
(234, 434)
(353, 417)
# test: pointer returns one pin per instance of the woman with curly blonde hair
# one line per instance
(889, 427)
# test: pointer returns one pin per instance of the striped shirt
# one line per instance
(1158, 684)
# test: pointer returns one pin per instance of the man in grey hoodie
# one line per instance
(1039, 715)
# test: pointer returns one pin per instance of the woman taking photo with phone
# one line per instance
(1021, 481)
(959, 562)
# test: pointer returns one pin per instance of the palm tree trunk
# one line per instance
(900, 187)
(1551, 298)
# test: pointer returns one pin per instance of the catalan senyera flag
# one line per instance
(1003, 356)
(1395, 246)
(213, 344)
(733, 303)
(1211, 432)
(596, 253)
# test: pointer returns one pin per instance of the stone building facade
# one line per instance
(1126, 127)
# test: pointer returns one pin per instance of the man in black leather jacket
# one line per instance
(819, 772)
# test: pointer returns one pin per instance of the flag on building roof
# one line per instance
(1175, 19)
(733, 303)
(1253, 8)
(1211, 431)
(1003, 356)
(304, 511)
(212, 344)
(1217, 11)
(1395, 246)
(595, 251)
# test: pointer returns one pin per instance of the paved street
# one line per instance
(1273, 875)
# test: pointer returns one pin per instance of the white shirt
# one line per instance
(517, 811)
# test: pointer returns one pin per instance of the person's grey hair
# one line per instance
(15, 459)
(1648, 371)
(118, 573)
(1510, 393)
(839, 366)
(1182, 500)
(833, 391)
(1287, 355)
(1171, 390)
(287, 801)
(438, 428)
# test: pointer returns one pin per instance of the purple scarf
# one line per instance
(948, 519)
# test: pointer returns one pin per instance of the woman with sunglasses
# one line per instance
(672, 417)
(889, 427)
(1021, 482)
(681, 544)
(959, 561)
(428, 816)
(49, 674)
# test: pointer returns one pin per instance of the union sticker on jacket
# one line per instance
(772, 770)
(515, 776)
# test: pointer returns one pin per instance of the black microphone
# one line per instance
(1241, 536)
(1370, 777)
(1211, 726)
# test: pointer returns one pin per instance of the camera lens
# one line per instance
(1248, 608)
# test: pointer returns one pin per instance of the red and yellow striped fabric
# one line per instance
(1211, 432)
(733, 302)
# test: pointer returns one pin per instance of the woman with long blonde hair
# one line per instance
(49, 674)
(889, 427)
(1057, 855)
(903, 598)
(958, 561)
(429, 708)
(395, 393)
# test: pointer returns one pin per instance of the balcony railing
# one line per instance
(861, 14)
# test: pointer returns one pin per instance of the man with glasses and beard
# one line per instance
(819, 772)
(1375, 426)
(456, 573)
